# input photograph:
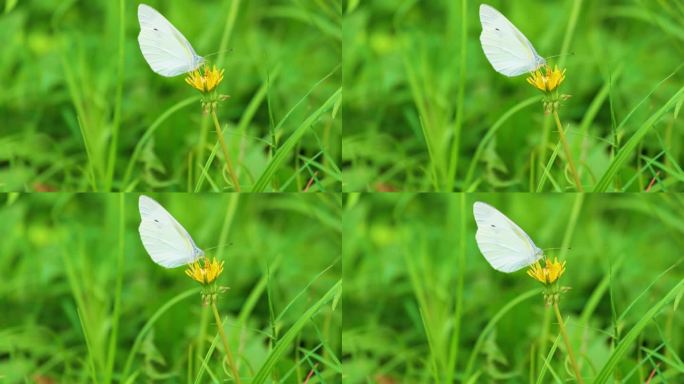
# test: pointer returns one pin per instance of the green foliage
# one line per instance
(404, 255)
(423, 111)
(82, 110)
(83, 302)
(407, 127)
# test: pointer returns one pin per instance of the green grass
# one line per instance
(425, 111)
(423, 306)
(341, 285)
(82, 110)
(83, 302)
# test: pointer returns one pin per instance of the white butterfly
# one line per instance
(165, 49)
(164, 239)
(506, 48)
(503, 243)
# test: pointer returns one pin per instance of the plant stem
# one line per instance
(226, 154)
(116, 124)
(458, 126)
(568, 153)
(229, 354)
(566, 339)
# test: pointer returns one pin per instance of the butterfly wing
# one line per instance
(165, 49)
(506, 48)
(503, 243)
(164, 239)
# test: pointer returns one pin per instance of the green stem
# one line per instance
(568, 153)
(116, 125)
(225, 39)
(229, 354)
(226, 154)
(566, 339)
(458, 127)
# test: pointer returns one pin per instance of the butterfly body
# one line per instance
(165, 49)
(506, 48)
(164, 238)
(503, 243)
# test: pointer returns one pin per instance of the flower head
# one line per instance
(205, 79)
(548, 274)
(204, 270)
(547, 79)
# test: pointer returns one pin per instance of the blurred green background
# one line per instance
(64, 256)
(410, 259)
(81, 110)
(405, 64)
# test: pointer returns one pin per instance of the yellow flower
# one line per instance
(548, 274)
(537, 80)
(196, 80)
(213, 78)
(205, 271)
(204, 78)
(546, 79)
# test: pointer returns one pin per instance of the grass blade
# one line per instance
(626, 151)
(490, 327)
(628, 340)
(288, 337)
(490, 135)
(150, 323)
(148, 135)
(116, 125)
(456, 144)
(292, 141)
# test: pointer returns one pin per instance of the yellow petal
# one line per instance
(205, 271)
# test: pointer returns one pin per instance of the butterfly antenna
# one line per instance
(222, 51)
(556, 249)
(561, 55)
(219, 246)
